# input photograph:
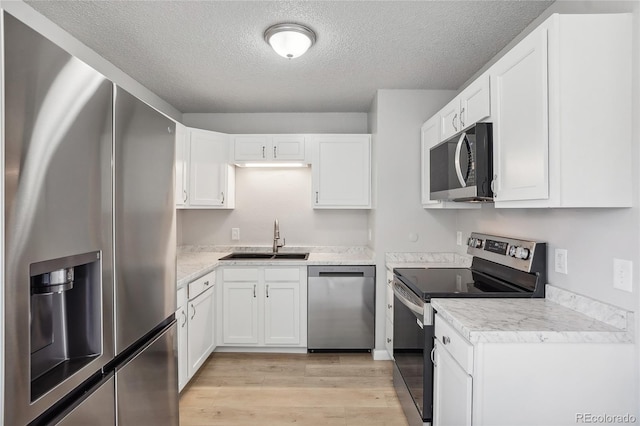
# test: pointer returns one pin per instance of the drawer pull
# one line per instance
(206, 283)
(446, 340)
(388, 340)
(389, 306)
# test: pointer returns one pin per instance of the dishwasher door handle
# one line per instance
(341, 274)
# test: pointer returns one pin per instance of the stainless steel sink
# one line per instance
(265, 256)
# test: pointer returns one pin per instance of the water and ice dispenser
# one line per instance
(66, 318)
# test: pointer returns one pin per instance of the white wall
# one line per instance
(263, 195)
(395, 120)
(279, 122)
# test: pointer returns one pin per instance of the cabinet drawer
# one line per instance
(201, 284)
(453, 342)
(181, 297)
(279, 274)
(241, 274)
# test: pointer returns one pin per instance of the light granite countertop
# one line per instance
(527, 321)
(196, 261)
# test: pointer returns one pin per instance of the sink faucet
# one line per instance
(276, 237)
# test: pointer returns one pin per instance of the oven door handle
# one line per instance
(416, 309)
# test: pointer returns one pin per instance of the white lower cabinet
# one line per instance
(452, 390)
(503, 382)
(181, 318)
(263, 306)
(196, 326)
(388, 338)
(201, 331)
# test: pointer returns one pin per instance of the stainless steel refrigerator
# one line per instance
(89, 265)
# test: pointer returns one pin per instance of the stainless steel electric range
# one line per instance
(501, 267)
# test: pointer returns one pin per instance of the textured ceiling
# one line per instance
(210, 56)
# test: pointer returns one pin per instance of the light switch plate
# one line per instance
(235, 234)
(561, 261)
(623, 275)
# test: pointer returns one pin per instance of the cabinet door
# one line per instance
(282, 313)
(200, 330)
(520, 114)
(240, 312)
(450, 119)
(182, 164)
(475, 102)
(183, 348)
(251, 147)
(287, 148)
(452, 391)
(208, 163)
(341, 171)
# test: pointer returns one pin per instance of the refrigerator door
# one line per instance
(99, 409)
(147, 386)
(145, 221)
(57, 204)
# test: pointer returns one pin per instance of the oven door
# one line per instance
(412, 345)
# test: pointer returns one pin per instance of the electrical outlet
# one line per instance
(235, 234)
(459, 238)
(623, 275)
(561, 261)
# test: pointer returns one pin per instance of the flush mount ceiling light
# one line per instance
(290, 40)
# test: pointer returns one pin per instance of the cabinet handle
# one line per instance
(206, 283)
(388, 340)
(264, 151)
(185, 319)
(316, 197)
(267, 290)
(222, 193)
(389, 306)
(446, 340)
(389, 281)
(184, 195)
(275, 152)
(254, 290)
(433, 360)
(462, 117)
(194, 311)
(493, 186)
(453, 122)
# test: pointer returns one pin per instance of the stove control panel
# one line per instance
(524, 255)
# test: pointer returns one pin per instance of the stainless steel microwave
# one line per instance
(461, 167)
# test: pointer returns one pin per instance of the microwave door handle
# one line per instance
(457, 161)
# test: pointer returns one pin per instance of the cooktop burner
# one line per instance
(501, 267)
(428, 283)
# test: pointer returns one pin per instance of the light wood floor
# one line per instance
(304, 389)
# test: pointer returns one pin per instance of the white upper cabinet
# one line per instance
(561, 108)
(341, 171)
(268, 148)
(182, 166)
(470, 106)
(430, 136)
(211, 178)
(520, 114)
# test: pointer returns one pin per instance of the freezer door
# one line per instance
(145, 221)
(57, 203)
(147, 386)
(99, 409)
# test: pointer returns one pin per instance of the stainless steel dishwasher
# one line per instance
(341, 308)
